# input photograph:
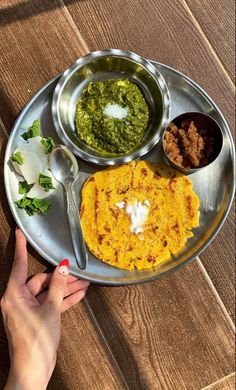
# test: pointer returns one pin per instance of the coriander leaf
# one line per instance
(24, 187)
(33, 131)
(45, 182)
(48, 143)
(17, 157)
(34, 206)
(41, 205)
(25, 203)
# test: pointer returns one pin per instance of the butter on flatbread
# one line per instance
(173, 213)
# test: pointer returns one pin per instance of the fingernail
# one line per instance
(64, 267)
(16, 229)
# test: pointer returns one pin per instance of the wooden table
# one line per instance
(176, 333)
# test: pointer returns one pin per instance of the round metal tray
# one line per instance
(50, 234)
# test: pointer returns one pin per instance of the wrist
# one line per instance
(23, 382)
(26, 375)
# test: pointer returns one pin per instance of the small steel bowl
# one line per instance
(100, 66)
(206, 122)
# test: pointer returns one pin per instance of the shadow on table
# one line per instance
(108, 328)
(6, 258)
(26, 9)
(57, 381)
(4, 355)
(8, 112)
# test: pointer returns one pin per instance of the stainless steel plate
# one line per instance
(50, 236)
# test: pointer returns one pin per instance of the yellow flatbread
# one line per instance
(172, 213)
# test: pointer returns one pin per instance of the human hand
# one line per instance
(32, 317)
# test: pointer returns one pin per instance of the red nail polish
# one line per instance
(63, 267)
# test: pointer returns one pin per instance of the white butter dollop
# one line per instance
(115, 111)
(138, 213)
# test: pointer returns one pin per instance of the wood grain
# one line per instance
(34, 49)
(218, 25)
(83, 359)
(227, 383)
(170, 334)
(219, 261)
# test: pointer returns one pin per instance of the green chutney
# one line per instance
(112, 116)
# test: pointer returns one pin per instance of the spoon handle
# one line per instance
(76, 230)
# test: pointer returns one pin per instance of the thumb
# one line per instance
(58, 283)
(19, 270)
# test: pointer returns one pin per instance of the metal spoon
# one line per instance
(64, 168)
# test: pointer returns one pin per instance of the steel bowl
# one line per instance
(100, 66)
(212, 129)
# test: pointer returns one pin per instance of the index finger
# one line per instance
(18, 274)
